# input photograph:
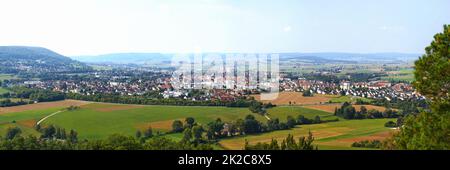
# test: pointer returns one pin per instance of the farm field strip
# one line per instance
(328, 135)
(331, 107)
(42, 106)
(296, 98)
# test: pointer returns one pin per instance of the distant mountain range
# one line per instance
(126, 58)
(364, 57)
(15, 59)
(145, 58)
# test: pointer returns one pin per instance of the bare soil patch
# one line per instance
(325, 107)
(370, 107)
(296, 98)
(27, 123)
(42, 106)
(160, 125)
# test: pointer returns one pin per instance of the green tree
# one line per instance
(11, 133)
(274, 145)
(390, 124)
(177, 126)
(256, 107)
(197, 132)
(308, 93)
(63, 134)
(291, 122)
(120, 142)
(433, 69)
(317, 119)
(240, 126)
(187, 135)
(429, 129)
(148, 133)
(289, 143)
(216, 127)
(251, 125)
(302, 120)
(58, 133)
(138, 134)
(49, 132)
(73, 136)
(37, 127)
(190, 122)
(363, 110)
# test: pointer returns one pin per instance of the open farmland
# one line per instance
(330, 107)
(401, 75)
(24, 120)
(98, 120)
(3, 90)
(333, 135)
(7, 77)
(281, 112)
(26, 116)
(41, 106)
(296, 98)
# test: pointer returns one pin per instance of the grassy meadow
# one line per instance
(95, 121)
(99, 120)
(3, 90)
(7, 77)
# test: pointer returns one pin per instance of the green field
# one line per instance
(24, 120)
(100, 68)
(3, 90)
(407, 78)
(7, 77)
(95, 121)
(25, 130)
(98, 120)
(333, 135)
(401, 75)
(282, 112)
(342, 99)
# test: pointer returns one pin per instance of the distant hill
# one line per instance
(364, 57)
(14, 59)
(146, 58)
(126, 58)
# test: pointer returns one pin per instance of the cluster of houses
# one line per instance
(111, 83)
(372, 89)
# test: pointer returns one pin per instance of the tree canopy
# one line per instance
(430, 129)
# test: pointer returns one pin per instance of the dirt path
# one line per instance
(267, 117)
(46, 117)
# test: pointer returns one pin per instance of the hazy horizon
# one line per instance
(216, 52)
(324, 52)
(96, 27)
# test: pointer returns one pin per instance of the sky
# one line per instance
(92, 27)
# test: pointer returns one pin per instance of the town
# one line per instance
(157, 83)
